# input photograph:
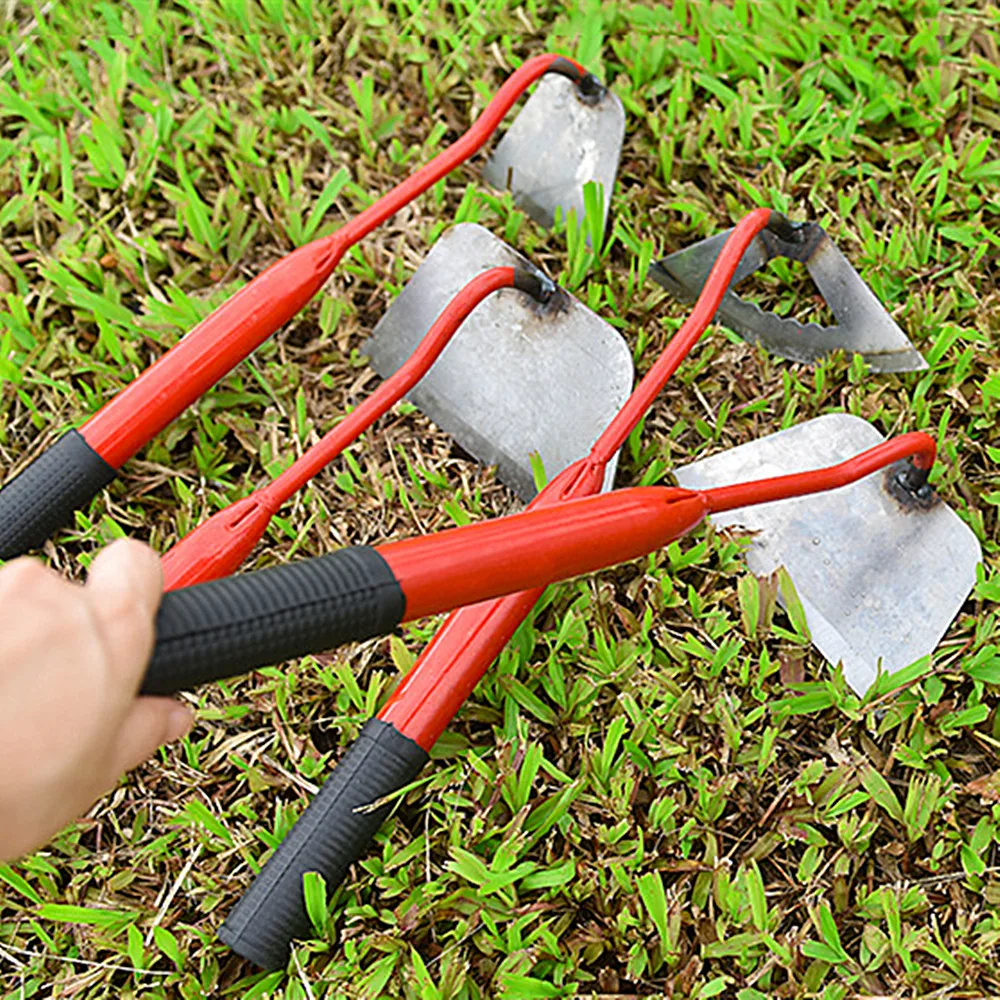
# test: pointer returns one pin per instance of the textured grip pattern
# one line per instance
(226, 627)
(329, 837)
(42, 497)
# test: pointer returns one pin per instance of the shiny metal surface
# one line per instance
(880, 582)
(558, 143)
(863, 325)
(518, 377)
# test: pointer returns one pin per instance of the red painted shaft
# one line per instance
(472, 637)
(537, 547)
(209, 351)
(422, 706)
(395, 387)
(241, 324)
(916, 445)
(459, 151)
(704, 310)
(219, 546)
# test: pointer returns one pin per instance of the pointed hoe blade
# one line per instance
(517, 378)
(562, 139)
(879, 578)
(863, 326)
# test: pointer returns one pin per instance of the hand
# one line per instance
(71, 661)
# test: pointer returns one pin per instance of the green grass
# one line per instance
(659, 790)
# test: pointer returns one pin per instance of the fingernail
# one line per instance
(179, 722)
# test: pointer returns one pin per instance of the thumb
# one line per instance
(149, 723)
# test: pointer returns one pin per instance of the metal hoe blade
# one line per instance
(880, 579)
(563, 138)
(863, 325)
(518, 377)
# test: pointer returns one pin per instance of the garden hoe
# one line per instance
(566, 136)
(880, 571)
(431, 693)
(42, 497)
(228, 626)
(217, 629)
(863, 325)
(217, 547)
(522, 379)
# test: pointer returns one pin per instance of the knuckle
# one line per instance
(121, 611)
(75, 616)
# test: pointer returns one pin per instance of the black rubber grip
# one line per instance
(229, 626)
(42, 497)
(330, 836)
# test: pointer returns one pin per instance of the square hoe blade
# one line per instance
(863, 325)
(561, 140)
(518, 377)
(880, 581)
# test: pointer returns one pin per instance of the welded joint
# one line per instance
(589, 89)
(794, 240)
(536, 284)
(908, 485)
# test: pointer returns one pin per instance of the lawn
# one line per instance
(652, 793)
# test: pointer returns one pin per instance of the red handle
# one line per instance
(214, 347)
(451, 568)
